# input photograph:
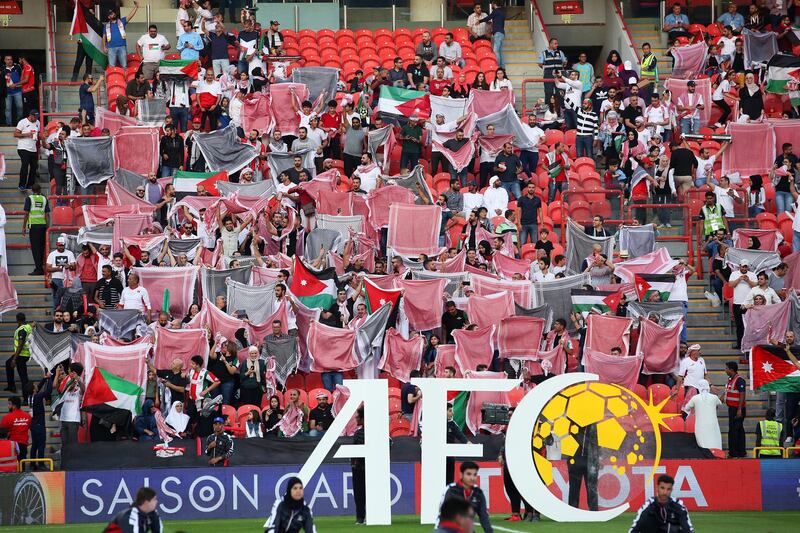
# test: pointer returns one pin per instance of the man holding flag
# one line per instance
(114, 37)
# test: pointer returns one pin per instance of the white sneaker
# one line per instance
(660, 226)
(669, 225)
(717, 125)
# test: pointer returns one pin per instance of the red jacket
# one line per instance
(17, 422)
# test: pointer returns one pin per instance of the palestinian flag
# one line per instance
(178, 68)
(405, 102)
(772, 370)
(377, 297)
(89, 32)
(555, 165)
(187, 182)
(585, 300)
(314, 289)
(783, 74)
(647, 284)
(108, 390)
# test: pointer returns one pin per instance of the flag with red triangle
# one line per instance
(406, 102)
(772, 370)
(105, 389)
(613, 300)
(641, 287)
(313, 289)
(376, 297)
(178, 68)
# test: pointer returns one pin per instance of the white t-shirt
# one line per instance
(538, 276)
(135, 298)
(656, 114)
(679, 292)
(214, 87)
(369, 180)
(741, 290)
(692, 371)
(304, 119)
(71, 408)
(101, 262)
(534, 134)
(724, 200)
(498, 85)
(702, 164)
(728, 47)
(179, 18)
(27, 143)
(56, 258)
(719, 93)
(151, 47)
(643, 136)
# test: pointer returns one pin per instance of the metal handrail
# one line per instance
(618, 12)
(758, 449)
(53, 86)
(51, 40)
(47, 461)
(538, 15)
(686, 237)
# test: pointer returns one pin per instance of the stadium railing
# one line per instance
(685, 236)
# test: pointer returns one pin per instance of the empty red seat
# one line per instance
(62, 216)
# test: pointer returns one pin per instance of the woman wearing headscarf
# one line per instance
(751, 99)
(145, 424)
(295, 416)
(706, 427)
(272, 416)
(291, 514)
(251, 378)
(177, 419)
(757, 196)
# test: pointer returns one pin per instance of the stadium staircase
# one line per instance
(34, 299)
(648, 30)
(520, 56)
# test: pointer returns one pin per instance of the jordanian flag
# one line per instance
(89, 32)
(772, 370)
(585, 301)
(406, 102)
(187, 182)
(459, 402)
(647, 284)
(783, 75)
(377, 297)
(178, 68)
(108, 390)
(314, 289)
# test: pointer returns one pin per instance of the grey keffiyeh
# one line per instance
(544, 311)
(506, 122)
(151, 112)
(284, 351)
(579, 247)
(223, 151)
(213, 282)
(97, 235)
(759, 259)
(120, 323)
(184, 246)
(48, 348)
(410, 182)
(258, 302)
(280, 161)
(342, 224)
(318, 80)
(91, 159)
(318, 238)
(637, 240)
(129, 180)
(557, 293)
(369, 335)
(260, 189)
(668, 312)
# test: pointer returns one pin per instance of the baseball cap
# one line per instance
(744, 262)
(694, 347)
(274, 22)
(196, 120)
(413, 117)
(219, 420)
(690, 83)
(61, 240)
(321, 395)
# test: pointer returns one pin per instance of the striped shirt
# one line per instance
(588, 122)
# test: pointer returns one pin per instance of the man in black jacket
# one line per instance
(456, 516)
(171, 150)
(466, 489)
(142, 517)
(662, 513)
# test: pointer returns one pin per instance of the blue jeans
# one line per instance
(55, 286)
(118, 56)
(167, 171)
(699, 182)
(783, 201)
(583, 145)
(796, 241)
(460, 176)
(331, 379)
(570, 119)
(226, 388)
(408, 161)
(180, 117)
(497, 46)
(13, 102)
(512, 187)
(529, 160)
(528, 230)
(685, 315)
(690, 125)
(555, 185)
(315, 433)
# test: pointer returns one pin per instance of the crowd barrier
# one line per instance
(249, 491)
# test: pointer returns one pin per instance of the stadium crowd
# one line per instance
(362, 202)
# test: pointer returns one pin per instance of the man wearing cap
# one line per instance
(551, 61)
(320, 418)
(59, 261)
(573, 88)
(27, 133)
(741, 281)
(273, 39)
(219, 445)
(689, 107)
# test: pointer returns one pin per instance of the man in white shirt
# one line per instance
(59, 261)
(451, 51)
(725, 194)
(472, 199)
(573, 88)
(741, 281)
(692, 368)
(477, 29)
(181, 16)
(536, 136)
(689, 107)
(150, 47)
(26, 133)
(762, 289)
(71, 388)
(135, 297)
(368, 172)
(727, 42)
(705, 165)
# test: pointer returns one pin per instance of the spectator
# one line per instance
(190, 44)
(530, 207)
(171, 150)
(675, 23)
(480, 82)
(409, 396)
(762, 289)
(452, 319)
(108, 290)
(145, 427)
(291, 514)
(411, 136)
(417, 72)
(272, 415)
(12, 74)
(71, 388)
(219, 445)
(397, 74)
(320, 418)
(58, 262)
(454, 145)
(27, 135)
(551, 61)
(354, 145)
(726, 195)
(501, 81)
(28, 86)
(466, 489)
(151, 47)
(477, 29)
(438, 84)
(585, 72)
(588, 125)
(751, 98)
(251, 378)
(219, 40)
(690, 105)
(86, 97)
(732, 18)
(137, 88)
(506, 167)
(530, 157)
(209, 96)
(114, 36)
(741, 281)
(498, 19)
(426, 48)
(451, 51)
(649, 63)
(557, 165)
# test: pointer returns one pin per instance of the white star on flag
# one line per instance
(766, 367)
(303, 282)
(382, 301)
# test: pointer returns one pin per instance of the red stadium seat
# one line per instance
(295, 381)
(394, 406)
(659, 392)
(640, 391)
(62, 216)
(383, 31)
(553, 136)
(394, 392)
(580, 212)
(325, 32)
(529, 251)
(399, 427)
(557, 212)
(602, 208)
(676, 424)
(767, 221)
(230, 412)
(785, 226)
(243, 411)
(441, 182)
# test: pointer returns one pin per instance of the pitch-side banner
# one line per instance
(236, 492)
